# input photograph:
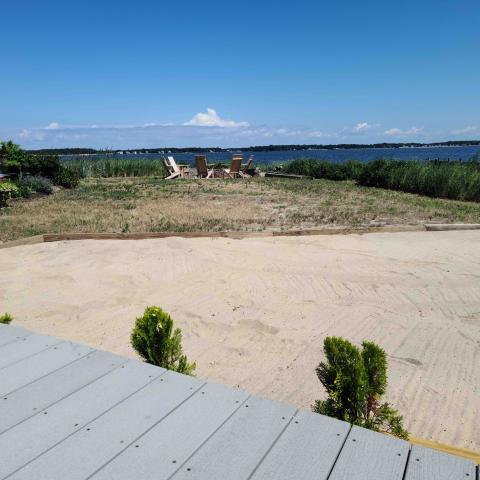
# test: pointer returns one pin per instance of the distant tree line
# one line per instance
(258, 148)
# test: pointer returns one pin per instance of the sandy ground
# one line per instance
(254, 312)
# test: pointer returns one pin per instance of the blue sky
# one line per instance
(151, 73)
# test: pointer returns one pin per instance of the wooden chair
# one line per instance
(202, 168)
(248, 165)
(175, 170)
(235, 165)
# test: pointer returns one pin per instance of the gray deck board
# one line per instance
(307, 449)
(368, 455)
(238, 446)
(427, 464)
(159, 453)
(36, 396)
(89, 449)
(24, 347)
(49, 427)
(36, 366)
(9, 333)
(71, 412)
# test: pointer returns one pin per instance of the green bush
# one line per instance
(67, 177)
(13, 158)
(157, 343)
(43, 165)
(38, 184)
(6, 318)
(7, 191)
(355, 381)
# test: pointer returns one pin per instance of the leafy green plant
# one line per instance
(67, 177)
(6, 318)
(355, 381)
(7, 191)
(154, 338)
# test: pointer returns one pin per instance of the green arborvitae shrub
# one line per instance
(355, 381)
(6, 318)
(154, 338)
(7, 191)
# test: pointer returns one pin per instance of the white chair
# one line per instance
(175, 170)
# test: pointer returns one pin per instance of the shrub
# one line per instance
(35, 184)
(6, 318)
(67, 177)
(7, 191)
(157, 343)
(18, 162)
(13, 158)
(43, 165)
(355, 381)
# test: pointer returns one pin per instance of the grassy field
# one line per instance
(148, 204)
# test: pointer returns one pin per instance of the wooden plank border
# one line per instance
(61, 237)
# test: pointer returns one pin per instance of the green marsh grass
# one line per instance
(117, 167)
(439, 179)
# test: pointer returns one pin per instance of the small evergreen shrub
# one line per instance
(355, 380)
(6, 318)
(154, 338)
(7, 191)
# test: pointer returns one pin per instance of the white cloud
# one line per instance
(52, 126)
(397, 132)
(461, 131)
(212, 119)
(364, 127)
(361, 126)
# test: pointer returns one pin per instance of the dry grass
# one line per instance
(153, 205)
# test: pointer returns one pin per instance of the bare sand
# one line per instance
(254, 312)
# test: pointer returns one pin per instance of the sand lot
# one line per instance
(254, 312)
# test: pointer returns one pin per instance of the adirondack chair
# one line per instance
(248, 165)
(202, 167)
(175, 170)
(235, 165)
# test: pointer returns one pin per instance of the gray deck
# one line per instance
(72, 412)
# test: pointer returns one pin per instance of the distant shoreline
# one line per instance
(258, 148)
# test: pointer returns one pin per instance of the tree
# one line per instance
(13, 157)
(355, 382)
(157, 343)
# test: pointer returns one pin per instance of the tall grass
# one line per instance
(441, 179)
(117, 167)
(323, 169)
